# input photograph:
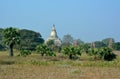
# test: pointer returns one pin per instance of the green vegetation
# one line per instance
(24, 53)
(55, 47)
(107, 41)
(72, 60)
(99, 44)
(72, 51)
(102, 53)
(116, 46)
(59, 60)
(27, 40)
(44, 50)
(11, 36)
(38, 67)
(67, 40)
(30, 39)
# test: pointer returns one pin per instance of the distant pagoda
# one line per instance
(53, 36)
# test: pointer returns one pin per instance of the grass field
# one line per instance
(36, 67)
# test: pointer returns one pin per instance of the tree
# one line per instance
(50, 43)
(30, 39)
(94, 52)
(67, 40)
(71, 51)
(78, 42)
(11, 36)
(1, 34)
(2, 47)
(99, 44)
(104, 53)
(44, 50)
(116, 46)
(108, 41)
(24, 53)
(85, 47)
(55, 47)
(108, 54)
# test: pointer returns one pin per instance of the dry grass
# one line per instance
(57, 72)
(34, 67)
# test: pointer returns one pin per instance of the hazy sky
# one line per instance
(88, 20)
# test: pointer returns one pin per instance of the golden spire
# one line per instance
(53, 32)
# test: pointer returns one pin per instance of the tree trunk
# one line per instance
(42, 54)
(70, 56)
(11, 50)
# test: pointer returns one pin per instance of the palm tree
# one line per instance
(10, 38)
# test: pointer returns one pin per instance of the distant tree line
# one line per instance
(98, 49)
(68, 40)
(28, 39)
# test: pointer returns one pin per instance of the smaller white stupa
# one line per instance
(53, 36)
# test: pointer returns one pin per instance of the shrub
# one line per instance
(71, 51)
(102, 53)
(108, 54)
(44, 50)
(25, 53)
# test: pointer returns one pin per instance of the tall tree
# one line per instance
(78, 42)
(99, 44)
(30, 39)
(108, 41)
(11, 36)
(1, 35)
(67, 40)
(116, 46)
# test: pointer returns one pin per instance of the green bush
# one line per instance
(102, 53)
(109, 55)
(45, 50)
(25, 53)
(72, 51)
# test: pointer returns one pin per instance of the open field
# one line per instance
(36, 67)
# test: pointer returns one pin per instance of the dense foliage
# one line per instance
(99, 44)
(78, 42)
(27, 40)
(51, 44)
(116, 46)
(2, 47)
(45, 50)
(71, 51)
(107, 41)
(67, 40)
(102, 53)
(11, 36)
(84, 47)
(24, 53)
(30, 39)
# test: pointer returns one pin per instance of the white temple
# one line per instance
(53, 36)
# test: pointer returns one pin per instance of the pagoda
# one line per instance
(53, 36)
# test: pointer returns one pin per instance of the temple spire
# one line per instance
(53, 32)
(53, 36)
